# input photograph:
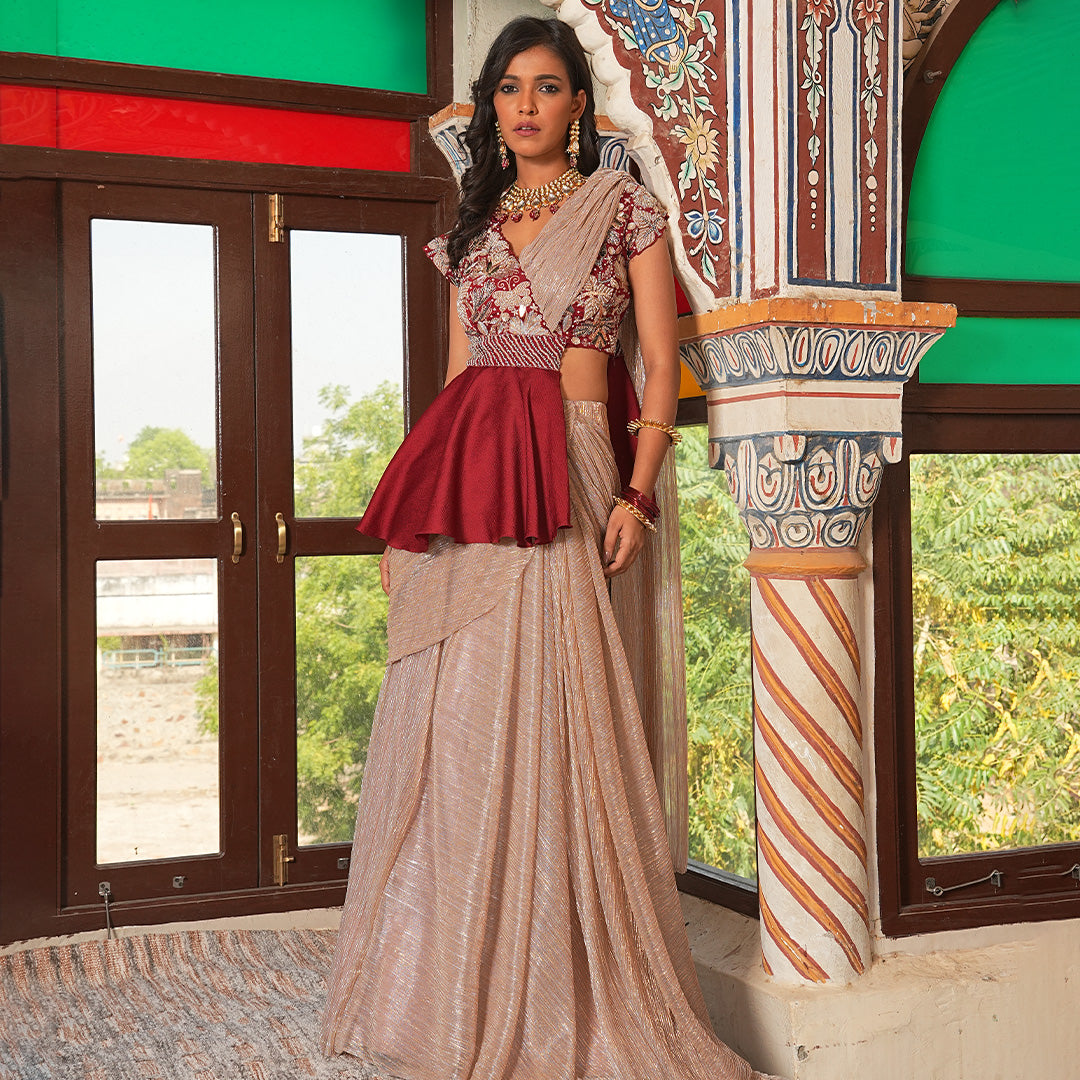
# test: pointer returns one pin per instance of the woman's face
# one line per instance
(535, 103)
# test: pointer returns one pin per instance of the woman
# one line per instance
(512, 911)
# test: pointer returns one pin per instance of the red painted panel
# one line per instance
(813, 36)
(167, 127)
(27, 116)
(872, 19)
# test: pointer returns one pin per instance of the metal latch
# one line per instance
(282, 858)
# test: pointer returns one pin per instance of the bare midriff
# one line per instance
(584, 375)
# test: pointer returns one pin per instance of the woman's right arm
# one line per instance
(455, 365)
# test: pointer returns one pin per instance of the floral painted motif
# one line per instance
(868, 16)
(818, 13)
(676, 44)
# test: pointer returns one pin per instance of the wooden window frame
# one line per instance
(954, 418)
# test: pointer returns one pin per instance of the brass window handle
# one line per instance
(282, 536)
(237, 537)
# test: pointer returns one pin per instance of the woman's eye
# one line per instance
(550, 88)
(507, 88)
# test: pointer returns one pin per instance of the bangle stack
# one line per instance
(672, 433)
(640, 505)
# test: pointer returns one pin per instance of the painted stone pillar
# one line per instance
(804, 402)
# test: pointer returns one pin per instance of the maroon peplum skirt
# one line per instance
(486, 461)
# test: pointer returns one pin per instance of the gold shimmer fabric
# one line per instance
(512, 912)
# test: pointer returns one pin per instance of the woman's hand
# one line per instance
(623, 541)
(384, 571)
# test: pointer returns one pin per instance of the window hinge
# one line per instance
(277, 219)
(282, 858)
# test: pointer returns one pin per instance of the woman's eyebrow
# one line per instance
(517, 78)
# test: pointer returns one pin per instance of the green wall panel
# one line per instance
(996, 184)
(1005, 351)
(28, 26)
(346, 42)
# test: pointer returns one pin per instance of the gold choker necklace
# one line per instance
(516, 200)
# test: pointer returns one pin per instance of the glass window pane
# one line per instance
(340, 662)
(157, 709)
(155, 365)
(995, 559)
(716, 609)
(347, 363)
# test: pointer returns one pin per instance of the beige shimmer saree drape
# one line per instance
(512, 911)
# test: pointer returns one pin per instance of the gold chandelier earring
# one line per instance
(573, 148)
(504, 159)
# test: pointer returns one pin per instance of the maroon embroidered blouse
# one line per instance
(487, 460)
(494, 296)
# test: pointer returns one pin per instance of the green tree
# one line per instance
(156, 449)
(716, 611)
(339, 468)
(995, 577)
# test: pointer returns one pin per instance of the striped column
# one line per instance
(808, 746)
(804, 397)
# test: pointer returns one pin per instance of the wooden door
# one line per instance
(223, 386)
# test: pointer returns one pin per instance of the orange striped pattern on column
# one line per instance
(808, 771)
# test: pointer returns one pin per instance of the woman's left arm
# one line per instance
(653, 289)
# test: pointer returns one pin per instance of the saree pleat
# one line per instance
(512, 912)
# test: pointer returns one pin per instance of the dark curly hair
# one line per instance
(485, 180)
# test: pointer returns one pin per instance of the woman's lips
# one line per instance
(527, 129)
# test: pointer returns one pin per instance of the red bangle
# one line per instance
(642, 502)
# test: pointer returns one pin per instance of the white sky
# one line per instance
(154, 325)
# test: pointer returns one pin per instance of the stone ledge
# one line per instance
(994, 1003)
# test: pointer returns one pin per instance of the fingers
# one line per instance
(611, 539)
(384, 571)
(623, 541)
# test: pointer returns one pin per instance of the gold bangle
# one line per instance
(671, 432)
(631, 509)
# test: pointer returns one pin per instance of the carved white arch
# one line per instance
(638, 127)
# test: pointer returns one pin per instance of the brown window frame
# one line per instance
(954, 418)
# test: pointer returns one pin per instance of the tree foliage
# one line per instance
(716, 610)
(340, 614)
(340, 611)
(156, 449)
(994, 584)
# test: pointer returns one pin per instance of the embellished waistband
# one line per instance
(518, 350)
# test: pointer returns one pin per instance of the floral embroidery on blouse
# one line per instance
(495, 297)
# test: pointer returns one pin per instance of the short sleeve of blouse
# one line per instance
(436, 252)
(644, 222)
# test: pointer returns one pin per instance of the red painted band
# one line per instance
(171, 127)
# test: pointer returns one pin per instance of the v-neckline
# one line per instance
(510, 247)
(540, 232)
